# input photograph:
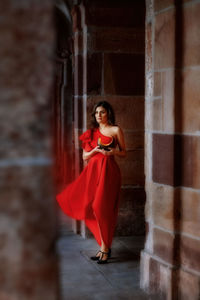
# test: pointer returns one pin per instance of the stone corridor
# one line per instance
(58, 58)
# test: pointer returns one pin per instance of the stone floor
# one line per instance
(81, 278)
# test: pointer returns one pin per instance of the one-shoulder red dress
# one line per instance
(94, 195)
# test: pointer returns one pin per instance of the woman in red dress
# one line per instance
(94, 195)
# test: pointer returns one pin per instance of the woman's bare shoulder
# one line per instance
(116, 129)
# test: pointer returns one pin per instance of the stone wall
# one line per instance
(109, 65)
(27, 214)
(170, 261)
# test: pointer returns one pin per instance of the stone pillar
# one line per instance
(109, 51)
(27, 211)
(170, 261)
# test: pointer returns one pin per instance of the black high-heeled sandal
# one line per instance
(101, 260)
(95, 257)
(109, 252)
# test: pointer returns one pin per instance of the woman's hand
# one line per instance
(110, 152)
(107, 153)
(88, 155)
(99, 150)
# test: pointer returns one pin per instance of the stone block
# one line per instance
(167, 279)
(154, 114)
(148, 205)
(27, 279)
(149, 83)
(148, 156)
(190, 161)
(178, 160)
(159, 5)
(163, 159)
(28, 136)
(163, 245)
(165, 35)
(94, 74)
(28, 266)
(175, 209)
(130, 40)
(130, 223)
(169, 118)
(26, 207)
(167, 282)
(115, 14)
(78, 75)
(144, 270)
(162, 198)
(23, 223)
(78, 43)
(131, 107)
(134, 140)
(195, 141)
(148, 46)
(148, 114)
(132, 168)
(190, 106)
(32, 47)
(78, 112)
(149, 9)
(189, 207)
(188, 286)
(76, 17)
(132, 199)
(156, 278)
(157, 84)
(188, 250)
(124, 74)
(149, 235)
(131, 213)
(191, 29)
(157, 114)
(30, 287)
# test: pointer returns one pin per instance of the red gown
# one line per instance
(94, 195)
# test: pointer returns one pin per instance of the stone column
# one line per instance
(27, 212)
(170, 261)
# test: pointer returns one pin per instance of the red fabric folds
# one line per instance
(86, 139)
(94, 195)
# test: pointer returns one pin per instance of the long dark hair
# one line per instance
(110, 113)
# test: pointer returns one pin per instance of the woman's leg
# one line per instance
(104, 248)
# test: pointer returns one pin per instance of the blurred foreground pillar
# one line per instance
(27, 213)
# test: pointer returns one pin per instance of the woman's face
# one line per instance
(101, 115)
